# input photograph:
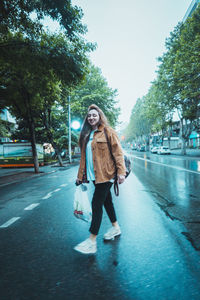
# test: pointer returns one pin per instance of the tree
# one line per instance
(32, 59)
(180, 69)
(29, 73)
(187, 75)
(139, 127)
(94, 90)
(158, 109)
(176, 88)
(17, 16)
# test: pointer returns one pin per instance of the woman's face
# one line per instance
(93, 118)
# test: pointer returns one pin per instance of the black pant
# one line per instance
(102, 196)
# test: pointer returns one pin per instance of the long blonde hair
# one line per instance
(86, 127)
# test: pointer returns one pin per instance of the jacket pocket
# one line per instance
(109, 168)
(102, 143)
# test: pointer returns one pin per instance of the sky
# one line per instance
(130, 36)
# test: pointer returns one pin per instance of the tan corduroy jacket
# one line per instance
(104, 168)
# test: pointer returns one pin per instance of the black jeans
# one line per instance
(102, 196)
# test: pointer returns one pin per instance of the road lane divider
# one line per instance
(9, 222)
(47, 196)
(50, 194)
(32, 206)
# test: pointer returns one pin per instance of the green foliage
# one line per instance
(5, 129)
(94, 90)
(35, 65)
(17, 15)
(39, 70)
(63, 140)
(138, 125)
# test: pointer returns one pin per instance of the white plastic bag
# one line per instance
(82, 207)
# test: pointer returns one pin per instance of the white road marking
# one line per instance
(32, 206)
(50, 194)
(9, 222)
(63, 185)
(165, 165)
(47, 196)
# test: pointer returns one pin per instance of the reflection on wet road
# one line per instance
(174, 183)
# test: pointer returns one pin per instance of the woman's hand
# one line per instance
(78, 182)
(121, 178)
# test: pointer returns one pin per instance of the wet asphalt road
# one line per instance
(174, 183)
(155, 257)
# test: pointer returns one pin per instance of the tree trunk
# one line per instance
(169, 142)
(182, 136)
(57, 153)
(183, 146)
(147, 143)
(60, 160)
(33, 145)
(31, 129)
(50, 137)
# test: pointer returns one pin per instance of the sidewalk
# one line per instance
(194, 153)
(15, 175)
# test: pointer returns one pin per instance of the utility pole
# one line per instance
(69, 131)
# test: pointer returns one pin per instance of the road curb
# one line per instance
(25, 179)
(34, 175)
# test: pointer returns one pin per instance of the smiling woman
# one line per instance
(96, 165)
(93, 118)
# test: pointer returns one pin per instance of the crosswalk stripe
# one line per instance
(47, 196)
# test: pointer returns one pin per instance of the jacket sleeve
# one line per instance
(81, 166)
(117, 153)
(79, 175)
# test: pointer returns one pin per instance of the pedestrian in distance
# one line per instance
(97, 165)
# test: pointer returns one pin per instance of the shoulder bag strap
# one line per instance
(116, 187)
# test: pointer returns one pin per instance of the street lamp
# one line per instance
(76, 125)
(69, 131)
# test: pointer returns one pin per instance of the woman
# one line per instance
(97, 165)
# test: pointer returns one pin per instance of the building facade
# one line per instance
(190, 9)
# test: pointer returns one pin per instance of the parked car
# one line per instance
(163, 150)
(154, 149)
(133, 148)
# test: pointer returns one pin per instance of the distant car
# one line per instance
(154, 149)
(163, 150)
(133, 148)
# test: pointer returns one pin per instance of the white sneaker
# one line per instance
(112, 232)
(87, 247)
